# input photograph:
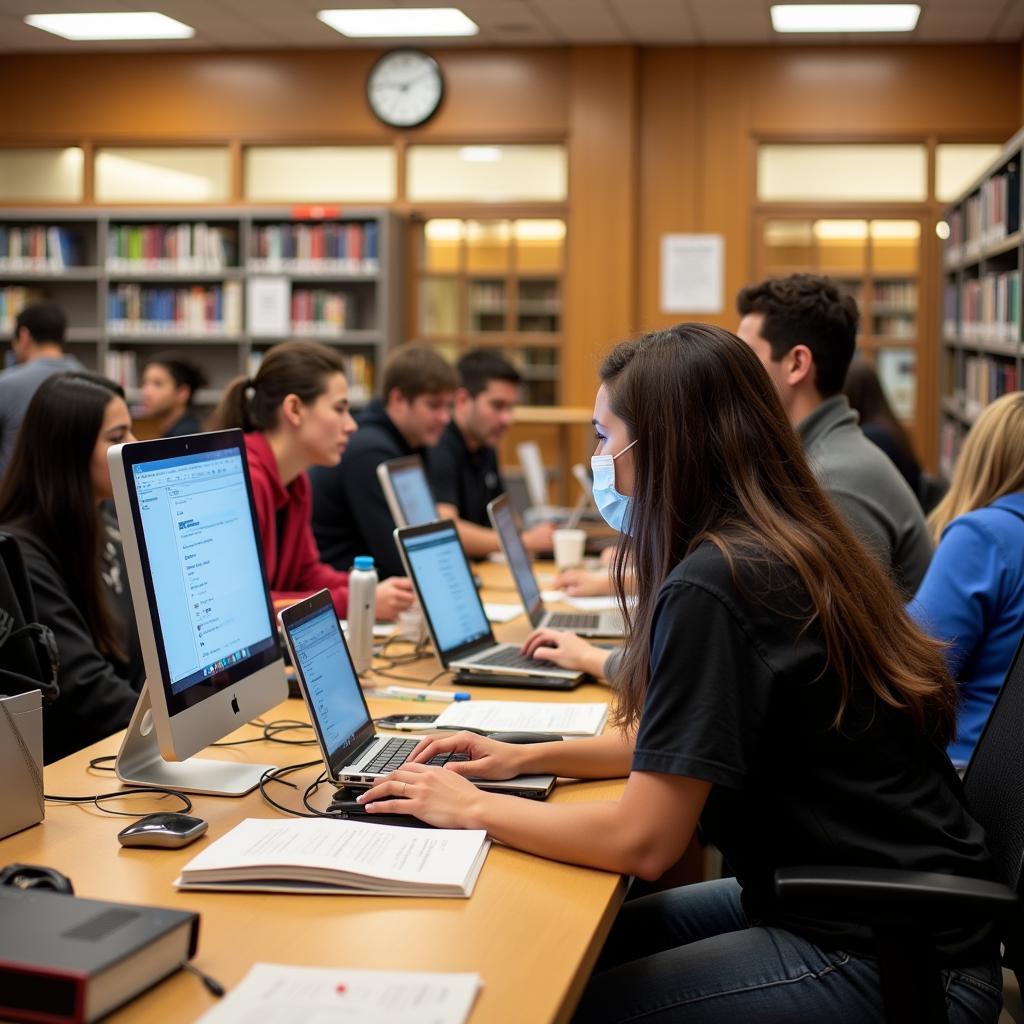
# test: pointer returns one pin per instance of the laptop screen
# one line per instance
(204, 568)
(446, 588)
(413, 494)
(336, 703)
(518, 559)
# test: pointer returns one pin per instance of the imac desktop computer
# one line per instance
(204, 615)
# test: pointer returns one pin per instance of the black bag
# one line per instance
(28, 650)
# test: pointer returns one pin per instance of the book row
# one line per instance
(38, 247)
(975, 381)
(990, 308)
(13, 299)
(987, 216)
(198, 310)
(347, 247)
(172, 247)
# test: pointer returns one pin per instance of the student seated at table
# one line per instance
(463, 467)
(169, 384)
(295, 415)
(972, 596)
(50, 503)
(350, 513)
(774, 689)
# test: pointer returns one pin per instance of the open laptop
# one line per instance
(407, 491)
(531, 463)
(584, 623)
(463, 640)
(354, 754)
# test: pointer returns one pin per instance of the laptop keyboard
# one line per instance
(509, 657)
(566, 620)
(396, 752)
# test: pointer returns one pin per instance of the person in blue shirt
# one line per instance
(972, 596)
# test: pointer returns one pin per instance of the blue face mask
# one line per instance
(615, 508)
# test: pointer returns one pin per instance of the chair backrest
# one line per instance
(994, 780)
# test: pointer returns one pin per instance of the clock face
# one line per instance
(405, 88)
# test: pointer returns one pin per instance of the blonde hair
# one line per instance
(990, 464)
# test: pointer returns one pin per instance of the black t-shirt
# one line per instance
(468, 480)
(741, 696)
(350, 513)
(188, 424)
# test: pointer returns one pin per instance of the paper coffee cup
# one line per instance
(569, 546)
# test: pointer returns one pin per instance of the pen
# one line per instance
(407, 693)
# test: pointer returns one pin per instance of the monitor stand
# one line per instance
(140, 763)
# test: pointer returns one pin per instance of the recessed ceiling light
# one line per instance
(112, 25)
(377, 23)
(845, 17)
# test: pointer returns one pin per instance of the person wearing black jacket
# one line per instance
(50, 503)
(350, 513)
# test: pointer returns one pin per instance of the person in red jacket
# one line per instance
(295, 414)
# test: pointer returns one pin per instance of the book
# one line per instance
(320, 855)
(555, 719)
(279, 992)
(64, 958)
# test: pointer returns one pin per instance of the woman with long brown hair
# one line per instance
(773, 688)
(972, 596)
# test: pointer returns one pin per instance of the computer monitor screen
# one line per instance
(413, 494)
(515, 552)
(203, 570)
(445, 586)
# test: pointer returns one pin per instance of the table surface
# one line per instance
(532, 928)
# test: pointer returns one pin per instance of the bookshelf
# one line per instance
(496, 283)
(876, 257)
(982, 261)
(134, 281)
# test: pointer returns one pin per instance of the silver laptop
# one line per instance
(463, 640)
(408, 494)
(354, 754)
(607, 624)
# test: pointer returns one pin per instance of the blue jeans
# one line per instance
(690, 954)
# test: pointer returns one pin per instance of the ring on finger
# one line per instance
(405, 788)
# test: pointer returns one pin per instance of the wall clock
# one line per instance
(405, 88)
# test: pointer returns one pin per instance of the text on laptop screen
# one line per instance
(414, 497)
(518, 559)
(204, 562)
(335, 699)
(446, 588)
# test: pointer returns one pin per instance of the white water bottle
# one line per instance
(362, 604)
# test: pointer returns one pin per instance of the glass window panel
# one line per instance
(487, 173)
(957, 164)
(320, 174)
(539, 307)
(894, 308)
(442, 240)
(895, 246)
(842, 244)
(196, 174)
(539, 245)
(41, 175)
(488, 246)
(897, 370)
(487, 305)
(788, 245)
(842, 172)
(439, 306)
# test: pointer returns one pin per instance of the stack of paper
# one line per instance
(523, 716)
(306, 995)
(317, 855)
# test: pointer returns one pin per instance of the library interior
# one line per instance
(575, 448)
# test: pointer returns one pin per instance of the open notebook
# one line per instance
(315, 855)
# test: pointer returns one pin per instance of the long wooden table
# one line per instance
(532, 928)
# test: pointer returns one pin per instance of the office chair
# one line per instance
(902, 907)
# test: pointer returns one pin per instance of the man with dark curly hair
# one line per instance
(804, 331)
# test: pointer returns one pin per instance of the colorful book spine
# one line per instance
(39, 247)
(171, 248)
(13, 299)
(350, 247)
(197, 311)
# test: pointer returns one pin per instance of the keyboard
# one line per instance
(567, 620)
(509, 657)
(396, 752)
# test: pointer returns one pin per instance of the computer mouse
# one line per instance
(522, 737)
(165, 830)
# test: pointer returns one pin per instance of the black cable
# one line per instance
(120, 795)
(411, 679)
(269, 733)
(277, 775)
(99, 763)
(211, 984)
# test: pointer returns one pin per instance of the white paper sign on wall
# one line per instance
(692, 273)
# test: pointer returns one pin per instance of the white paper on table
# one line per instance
(555, 719)
(599, 603)
(278, 993)
(502, 612)
(381, 630)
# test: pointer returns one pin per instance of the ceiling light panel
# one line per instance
(824, 18)
(401, 22)
(112, 25)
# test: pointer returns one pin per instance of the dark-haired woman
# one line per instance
(295, 415)
(169, 384)
(773, 689)
(50, 502)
